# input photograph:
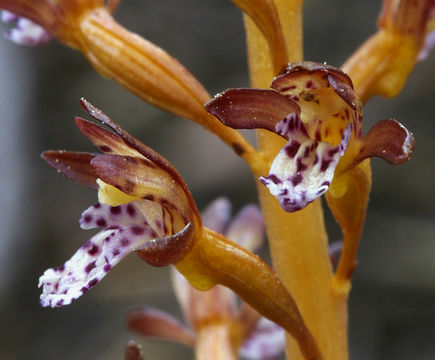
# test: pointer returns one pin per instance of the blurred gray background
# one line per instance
(392, 312)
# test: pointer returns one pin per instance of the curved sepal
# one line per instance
(74, 165)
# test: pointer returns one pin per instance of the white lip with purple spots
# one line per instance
(124, 231)
(303, 169)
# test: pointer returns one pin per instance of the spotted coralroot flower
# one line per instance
(314, 107)
(26, 32)
(260, 338)
(145, 207)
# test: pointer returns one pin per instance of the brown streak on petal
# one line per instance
(168, 250)
(155, 323)
(147, 152)
(389, 140)
(343, 90)
(74, 165)
(251, 108)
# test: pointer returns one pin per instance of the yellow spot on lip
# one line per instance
(110, 195)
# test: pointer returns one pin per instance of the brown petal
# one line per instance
(389, 140)
(168, 250)
(251, 108)
(105, 140)
(326, 97)
(321, 70)
(73, 165)
(147, 152)
(151, 322)
(132, 351)
(141, 178)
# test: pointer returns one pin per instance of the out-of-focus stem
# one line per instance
(298, 241)
(214, 342)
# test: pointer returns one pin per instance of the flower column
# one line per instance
(298, 241)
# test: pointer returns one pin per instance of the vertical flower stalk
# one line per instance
(298, 241)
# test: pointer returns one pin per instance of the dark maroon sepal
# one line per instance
(73, 165)
(389, 140)
(168, 250)
(251, 108)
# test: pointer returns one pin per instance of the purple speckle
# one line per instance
(309, 84)
(333, 151)
(325, 183)
(60, 302)
(84, 289)
(116, 252)
(107, 267)
(88, 218)
(115, 210)
(60, 268)
(325, 164)
(137, 230)
(89, 267)
(97, 206)
(92, 283)
(274, 179)
(101, 222)
(296, 179)
(124, 242)
(93, 250)
(131, 210)
(292, 148)
(300, 166)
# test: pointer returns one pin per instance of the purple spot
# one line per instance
(124, 242)
(274, 179)
(137, 230)
(107, 239)
(92, 283)
(333, 151)
(107, 267)
(90, 266)
(115, 210)
(283, 192)
(93, 250)
(131, 210)
(101, 222)
(60, 302)
(325, 164)
(159, 224)
(112, 227)
(325, 183)
(306, 152)
(292, 148)
(97, 206)
(116, 252)
(309, 84)
(87, 218)
(84, 289)
(300, 166)
(296, 179)
(60, 268)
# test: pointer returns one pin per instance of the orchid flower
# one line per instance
(145, 207)
(314, 107)
(262, 339)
